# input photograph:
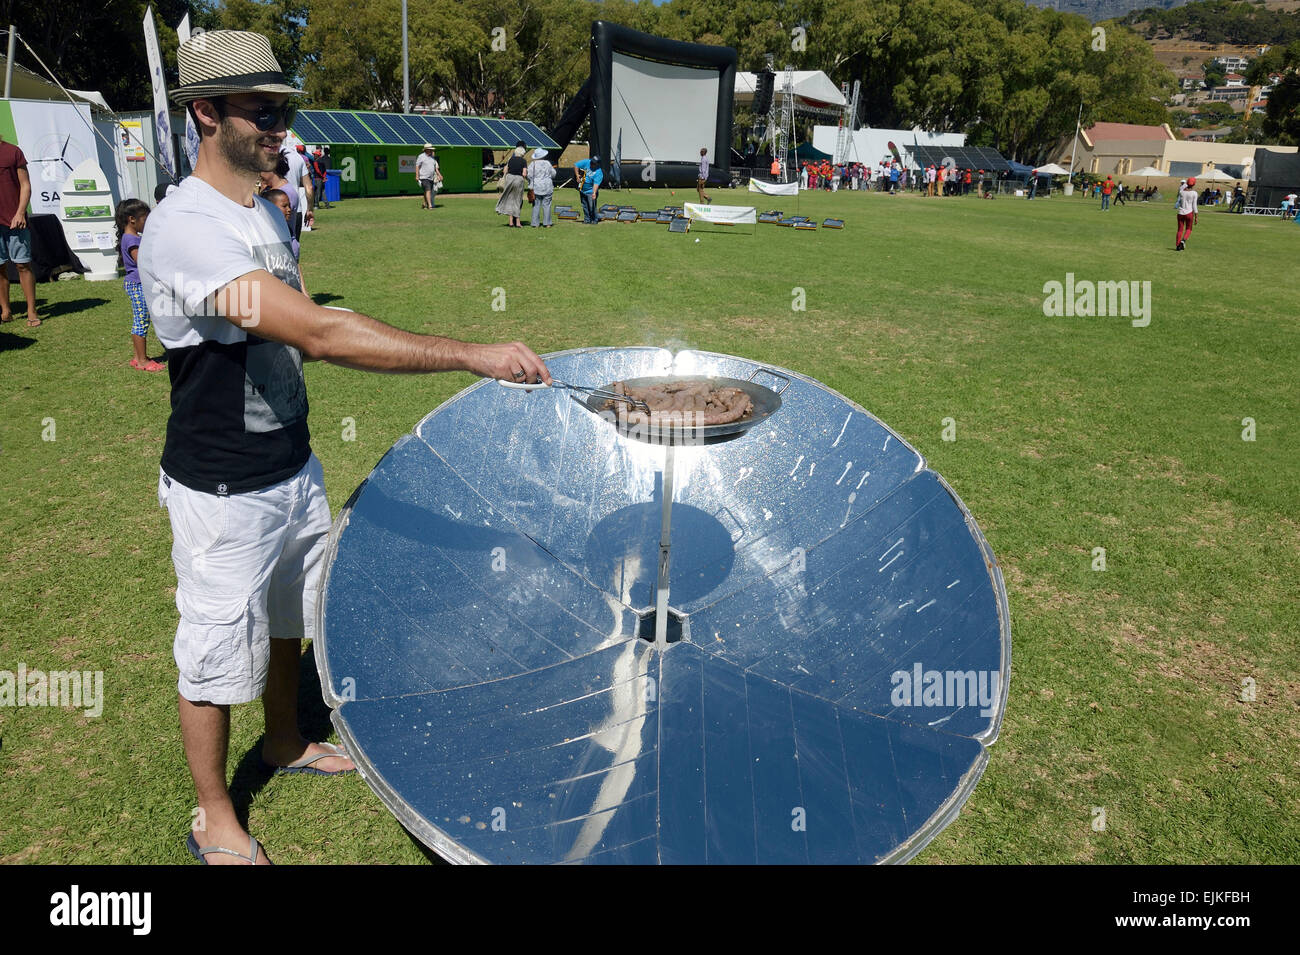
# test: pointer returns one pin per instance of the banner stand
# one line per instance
(722, 215)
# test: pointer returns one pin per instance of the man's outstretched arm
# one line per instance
(264, 306)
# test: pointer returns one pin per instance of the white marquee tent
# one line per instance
(871, 145)
(813, 89)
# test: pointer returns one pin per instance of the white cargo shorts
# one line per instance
(247, 570)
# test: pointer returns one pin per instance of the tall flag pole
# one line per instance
(1078, 124)
(406, 66)
(162, 118)
(191, 133)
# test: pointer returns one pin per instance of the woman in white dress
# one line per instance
(512, 188)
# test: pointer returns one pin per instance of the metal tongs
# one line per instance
(594, 392)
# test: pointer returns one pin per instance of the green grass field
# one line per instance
(1071, 434)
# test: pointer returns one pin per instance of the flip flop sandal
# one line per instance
(304, 765)
(193, 845)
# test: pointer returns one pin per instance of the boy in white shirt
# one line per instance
(1186, 213)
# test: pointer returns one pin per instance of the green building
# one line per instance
(375, 152)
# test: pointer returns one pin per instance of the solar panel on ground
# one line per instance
(443, 132)
(990, 160)
(329, 127)
(472, 136)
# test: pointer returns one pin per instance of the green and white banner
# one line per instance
(55, 138)
(724, 215)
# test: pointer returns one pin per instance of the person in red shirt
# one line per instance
(15, 239)
(965, 183)
(1107, 188)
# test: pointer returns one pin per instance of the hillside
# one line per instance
(1097, 10)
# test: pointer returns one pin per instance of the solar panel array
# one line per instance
(966, 157)
(348, 127)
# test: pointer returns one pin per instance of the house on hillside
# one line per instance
(1205, 135)
(1234, 95)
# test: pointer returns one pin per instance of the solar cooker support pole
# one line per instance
(665, 541)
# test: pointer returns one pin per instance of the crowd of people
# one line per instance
(530, 176)
(889, 175)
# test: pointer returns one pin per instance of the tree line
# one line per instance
(1010, 75)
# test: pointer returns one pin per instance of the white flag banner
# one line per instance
(774, 188)
(726, 215)
(191, 134)
(161, 116)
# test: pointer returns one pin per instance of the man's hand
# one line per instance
(310, 218)
(513, 361)
(19, 220)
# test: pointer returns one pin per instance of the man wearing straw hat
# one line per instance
(427, 174)
(244, 493)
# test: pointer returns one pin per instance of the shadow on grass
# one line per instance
(314, 723)
(14, 342)
(48, 310)
(324, 298)
(433, 857)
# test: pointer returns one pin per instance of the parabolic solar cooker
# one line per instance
(549, 637)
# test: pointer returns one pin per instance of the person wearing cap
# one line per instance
(1186, 210)
(300, 176)
(244, 493)
(427, 175)
(591, 176)
(541, 181)
(316, 166)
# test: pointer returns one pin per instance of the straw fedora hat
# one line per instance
(225, 62)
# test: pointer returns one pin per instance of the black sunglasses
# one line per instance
(267, 115)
